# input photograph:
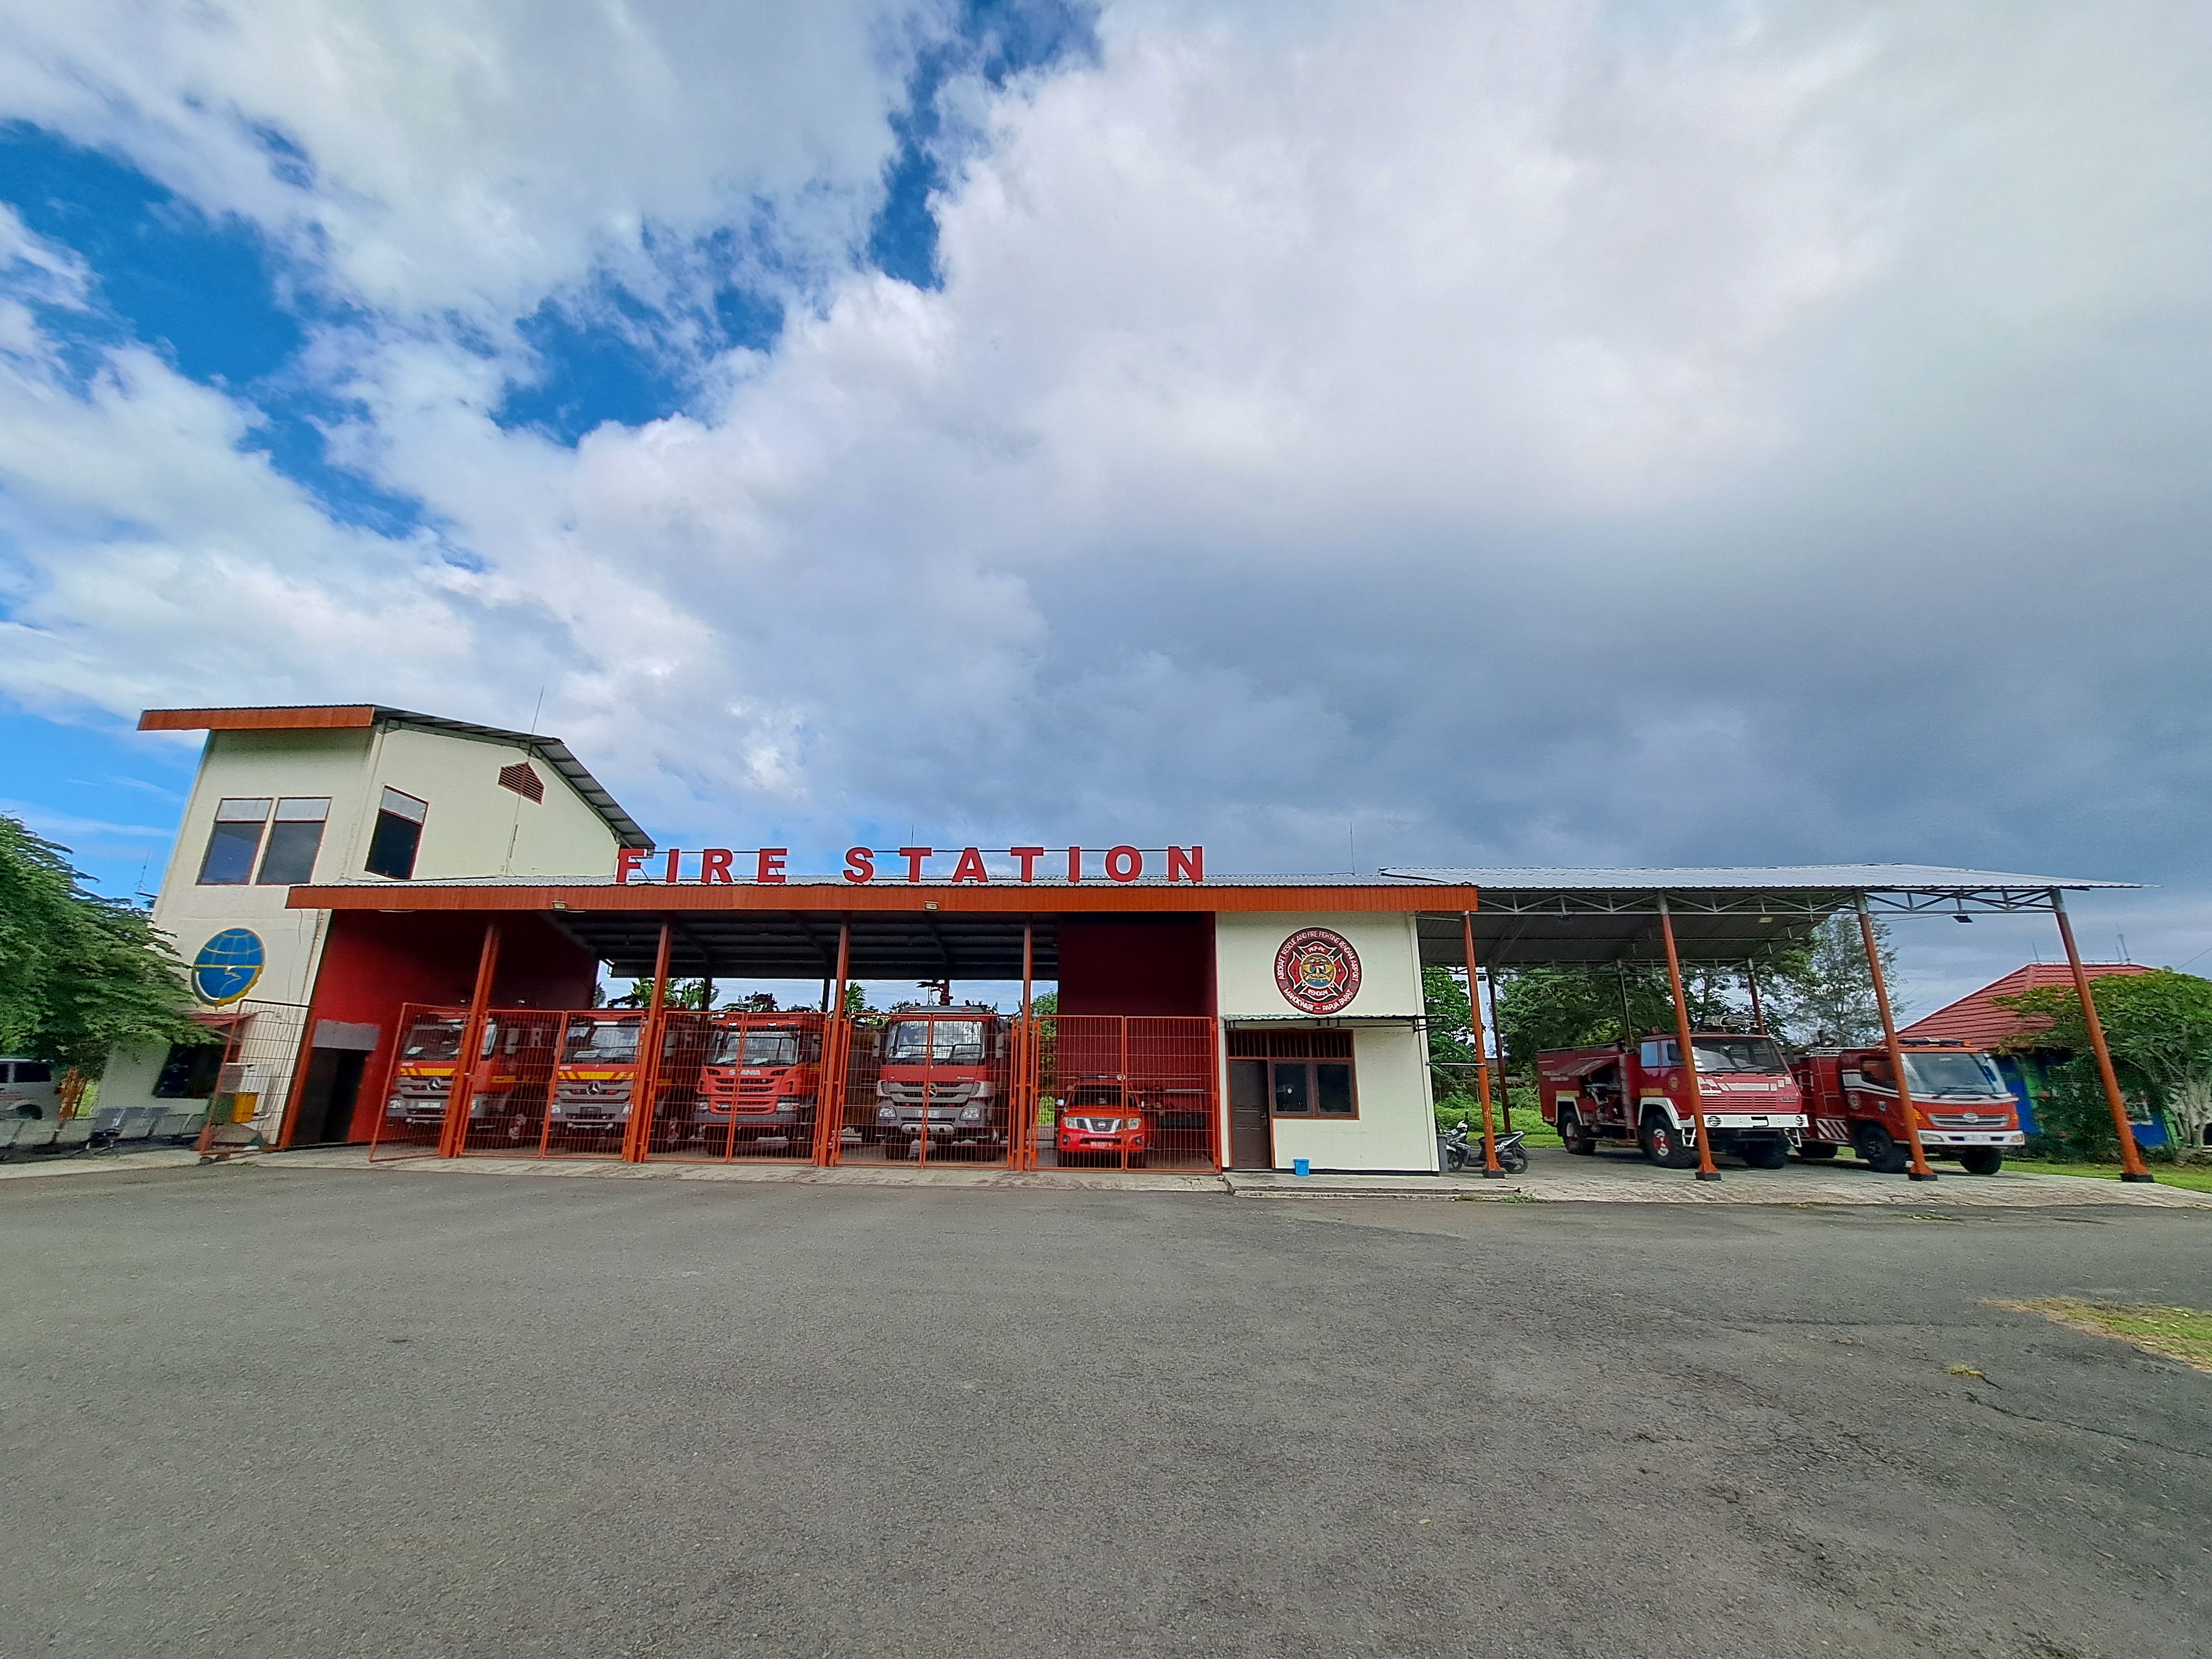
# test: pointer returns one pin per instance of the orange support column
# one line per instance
(837, 1053)
(1919, 1171)
(1491, 1169)
(1706, 1170)
(2132, 1167)
(1021, 1129)
(637, 1133)
(454, 1134)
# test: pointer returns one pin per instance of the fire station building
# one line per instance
(399, 923)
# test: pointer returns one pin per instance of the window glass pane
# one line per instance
(292, 849)
(230, 850)
(391, 847)
(1333, 1089)
(300, 809)
(1292, 1099)
(404, 806)
(250, 810)
(34, 1070)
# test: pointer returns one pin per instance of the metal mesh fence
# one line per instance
(929, 1086)
(738, 1084)
(1125, 1091)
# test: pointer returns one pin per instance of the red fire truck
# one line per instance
(761, 1078)
(1639, 1097)
(423, 1077)
(1964, 1109)
(596, 1081)
(943, 1077)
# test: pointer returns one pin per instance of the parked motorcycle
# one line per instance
(1462, 1151)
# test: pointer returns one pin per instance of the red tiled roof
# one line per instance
(1977, 1019)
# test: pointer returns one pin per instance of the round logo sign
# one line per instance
(228, 965)
(1317, 970)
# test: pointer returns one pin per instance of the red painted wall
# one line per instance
(1136, 964)
(373, 963)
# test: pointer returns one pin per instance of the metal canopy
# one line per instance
(1566, 917)
(800, 944)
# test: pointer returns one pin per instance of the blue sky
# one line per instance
(1606, 434)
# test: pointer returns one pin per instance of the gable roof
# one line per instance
(337, 717)
(1977, 1020)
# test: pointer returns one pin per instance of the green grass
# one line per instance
(2196, 1178)
(2182, 1334)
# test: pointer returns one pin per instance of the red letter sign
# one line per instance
(1124, 864)
(914, 856)
(714, 864)
(1029, 856)
(770, 869)
(626, 863)
(675, 863)
(970, 867)
(1186, 867)
(1075, 863)
(859, 864)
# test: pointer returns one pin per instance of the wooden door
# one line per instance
(1252, 1141)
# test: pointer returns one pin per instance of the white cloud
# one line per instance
(1525, 431)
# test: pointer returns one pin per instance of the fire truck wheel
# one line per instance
(1764, 1154)
(1817, 1151)
(1663, 1144)
(1573, 1138)
(1879, 1150)
(1982, 1160)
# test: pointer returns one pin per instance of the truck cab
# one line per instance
(422, 1075)
(1962, 1107)
(943, 1078)
(1639, 1096)
(760, 1078)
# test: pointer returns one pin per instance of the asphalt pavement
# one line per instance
(266, 1411)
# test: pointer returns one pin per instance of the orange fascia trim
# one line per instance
(1011, 898)
(316, 717)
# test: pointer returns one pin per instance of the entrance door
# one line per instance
(327, 1099)
(1251, 1136)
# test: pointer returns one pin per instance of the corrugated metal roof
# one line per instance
(1931, 879)
(324, 717)
(1977, 1019)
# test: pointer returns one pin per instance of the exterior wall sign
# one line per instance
(228, 966)
(764, 865)
(1317, 970)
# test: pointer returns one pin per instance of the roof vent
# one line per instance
(523, 779)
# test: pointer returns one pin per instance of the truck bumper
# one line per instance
(1972, 1137)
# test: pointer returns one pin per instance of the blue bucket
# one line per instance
(1301, 1166)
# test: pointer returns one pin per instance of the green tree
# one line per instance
(2159, 1028)
(1822, 991)
(80, 976)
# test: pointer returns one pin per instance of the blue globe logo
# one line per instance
(228, 965)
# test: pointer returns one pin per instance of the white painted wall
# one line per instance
(473, 828)
(1397, 1126)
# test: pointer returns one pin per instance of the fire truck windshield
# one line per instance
(1955, 1073)
(756, 1049)
(1751, 1054)
(913, 1041)
(611, 1042)
(433, 1040)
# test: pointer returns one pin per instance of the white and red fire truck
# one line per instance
(1640, 1096)
(1965, 1110)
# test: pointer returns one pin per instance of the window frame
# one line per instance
(224, 817)
(290, 809)
(393, 805)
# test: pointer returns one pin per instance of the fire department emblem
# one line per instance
(1317, 970)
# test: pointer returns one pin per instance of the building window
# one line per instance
(189, 1073)
(398, 837)
(1309, 1073)
(229, 862)
(523, 779)
(293, 840)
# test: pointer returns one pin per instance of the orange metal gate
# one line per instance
(904, 1090)
(1125, 1091)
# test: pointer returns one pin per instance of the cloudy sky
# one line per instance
(1578, 431)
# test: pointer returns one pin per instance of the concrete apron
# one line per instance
(1552, 1177)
